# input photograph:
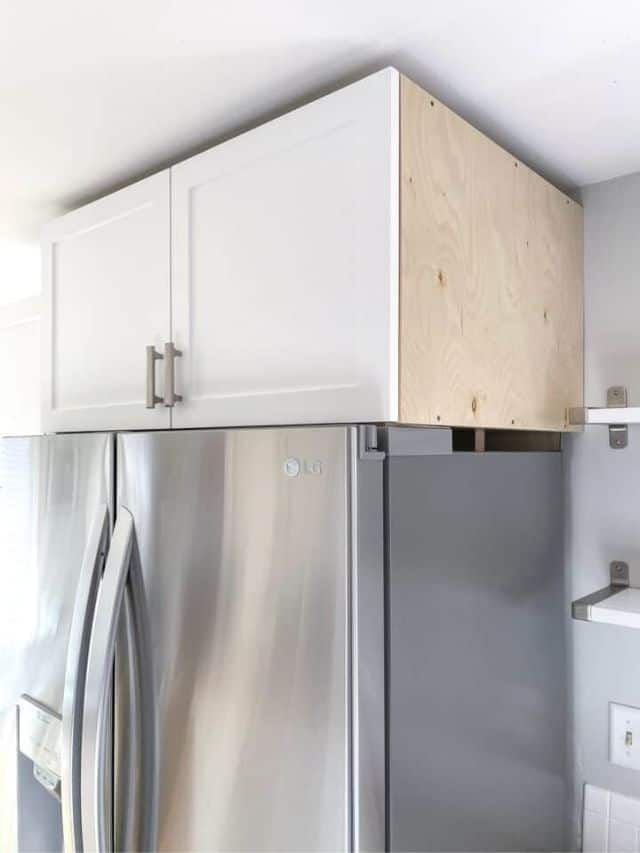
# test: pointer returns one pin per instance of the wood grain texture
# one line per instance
(491, 280)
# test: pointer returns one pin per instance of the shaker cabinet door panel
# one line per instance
(284, 286)
(107, 296)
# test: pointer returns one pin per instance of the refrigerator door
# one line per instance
(55, 493)
(246, 553)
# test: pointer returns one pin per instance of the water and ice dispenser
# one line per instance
(39, 773)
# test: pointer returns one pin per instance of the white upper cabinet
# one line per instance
(106, 297)
(285, 267)
(367, 257)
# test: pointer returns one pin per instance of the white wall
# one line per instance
(20, 284)
(603, 485)
(20, 270)
(20, 367)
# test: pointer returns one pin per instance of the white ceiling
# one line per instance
(94, 94)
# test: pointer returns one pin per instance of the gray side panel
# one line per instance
(50, 489)
(245, 564)
(477, 651)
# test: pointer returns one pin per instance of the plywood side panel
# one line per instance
(491, 280)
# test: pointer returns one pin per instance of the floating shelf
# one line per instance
(616, 604)
(605, 416)
(617, 415)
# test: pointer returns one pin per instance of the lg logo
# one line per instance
(294, 467)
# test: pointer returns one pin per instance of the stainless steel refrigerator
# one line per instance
(328, 638)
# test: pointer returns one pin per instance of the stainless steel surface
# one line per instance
(477, 652)
(50, 489)
(127, 793)
(170, 355)
(40, 735)
(95, 733)
(618, 436)
(74, 682)
(581, 609)
(135, 722)
(152, 357)
(245, 562)
(619, 576)
(618, 433)
(619, 573)
(367, 642)
(617, 396)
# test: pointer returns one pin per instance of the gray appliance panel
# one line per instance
(50, 490)
(245, 551)
(477, 653)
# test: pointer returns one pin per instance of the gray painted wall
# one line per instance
(603, 486)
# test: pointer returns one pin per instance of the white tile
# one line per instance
(625, 809)
(622, 837)
(596, 800)
(594, 833)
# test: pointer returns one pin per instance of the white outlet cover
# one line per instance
(624, 735)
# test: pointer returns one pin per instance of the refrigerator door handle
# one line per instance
(135, 774)
(121, 567)
(75, 674)
(95, 832)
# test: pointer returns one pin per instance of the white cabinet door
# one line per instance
(285, 267)
(106, 297)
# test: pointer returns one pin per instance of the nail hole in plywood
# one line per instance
(437, 417)
(432, 103)
(474, 405)
(442, 279)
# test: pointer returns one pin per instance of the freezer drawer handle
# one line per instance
(122, 568)
(75, 674)
(170, 355)
(152, 397)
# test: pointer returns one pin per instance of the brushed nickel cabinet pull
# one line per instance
(170, 355)
(152, 397)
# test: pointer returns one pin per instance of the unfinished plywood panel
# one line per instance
(491, 280)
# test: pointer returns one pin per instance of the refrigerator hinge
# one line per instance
(368, 442)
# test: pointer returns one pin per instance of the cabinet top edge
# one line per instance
(390, 72)
(56, 229)
(388, 77)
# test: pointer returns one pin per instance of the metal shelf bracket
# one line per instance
(617, 421)
(618, 580)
